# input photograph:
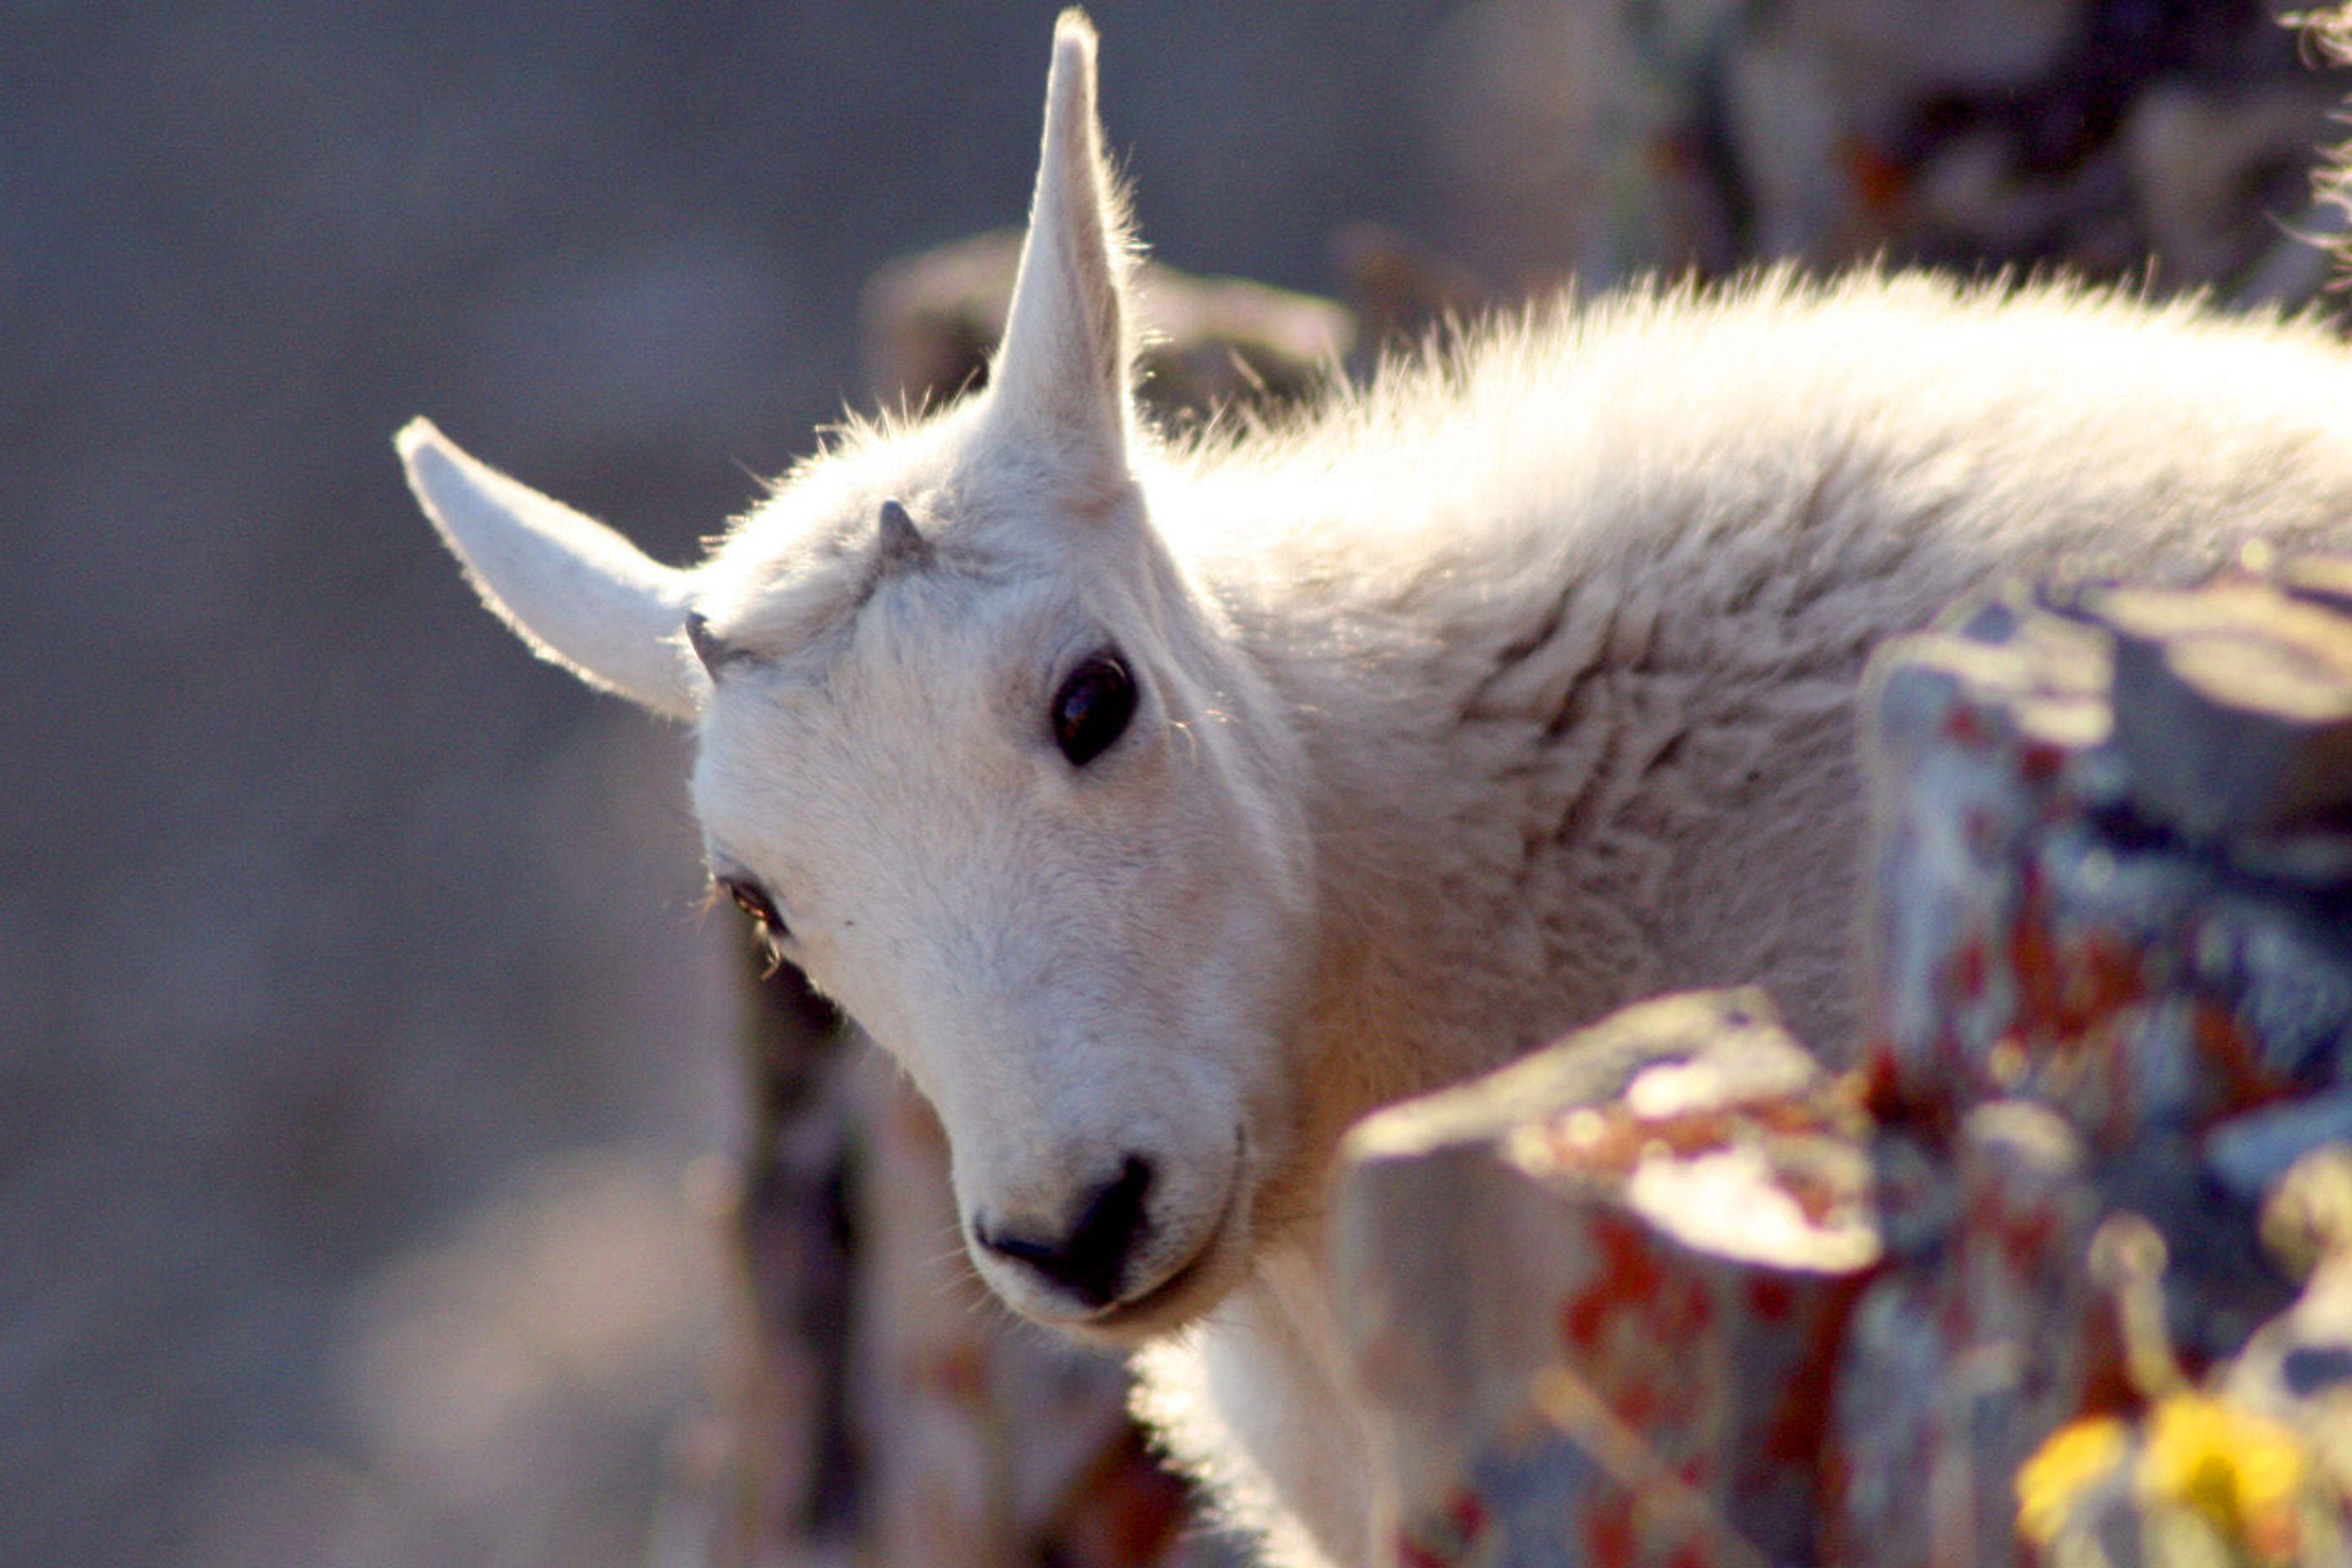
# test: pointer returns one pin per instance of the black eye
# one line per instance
(1092, 709)
(754, 901)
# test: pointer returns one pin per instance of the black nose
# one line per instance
(1087, 1260)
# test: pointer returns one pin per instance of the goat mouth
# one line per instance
(1165, 1305)
(1183, 1295)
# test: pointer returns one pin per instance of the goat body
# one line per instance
(1164, 806)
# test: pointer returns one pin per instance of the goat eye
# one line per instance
(753, 901)
(1092, 709)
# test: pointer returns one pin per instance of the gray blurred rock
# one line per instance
(2211, 173)
(1908, 49)
(2250, 1153)
(1964, 1357)
(2233, 706)
(931, 320)
(1564, 137)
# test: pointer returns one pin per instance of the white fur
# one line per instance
(1478, 704)
(579, 593)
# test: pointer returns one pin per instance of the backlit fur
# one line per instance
(1513, 688)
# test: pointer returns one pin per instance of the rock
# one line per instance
(1792, 130)
(2036, 937)
(2232, 705)
(1566, 137)
(931, 321)
(1918, 47)
(1975, 736)
(1959, 1363)
(2251, 1152)
(1400, 289)
(2211, 170)
(1593, 1298)
(1666, 1292)
(2325, 581)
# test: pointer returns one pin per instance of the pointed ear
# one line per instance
(1061, 376)
(578, 592)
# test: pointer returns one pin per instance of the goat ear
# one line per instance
(1061, 376)
(578, 592)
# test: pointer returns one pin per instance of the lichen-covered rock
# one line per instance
(2233, 706)
(1962, 1359)
(2113, 979)
(2111, 875)
(1669, 1293)
(1596, 1297)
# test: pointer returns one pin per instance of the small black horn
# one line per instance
(903, 544)
(715, 655)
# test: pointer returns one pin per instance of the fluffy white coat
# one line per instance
(1477, 704)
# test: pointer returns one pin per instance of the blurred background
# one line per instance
(368, 1067)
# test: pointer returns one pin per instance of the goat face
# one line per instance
(983, 762)
(1017, 809)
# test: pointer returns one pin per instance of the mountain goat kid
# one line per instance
(1164, 805)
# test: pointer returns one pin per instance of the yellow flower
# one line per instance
(2243, 1473)
(2077, 1456)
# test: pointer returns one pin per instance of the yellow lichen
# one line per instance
(2077, 1456)
(2246, 1475)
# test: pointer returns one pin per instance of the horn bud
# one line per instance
(902, 543)
(715, 655)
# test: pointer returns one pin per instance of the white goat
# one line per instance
(1164, 806)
